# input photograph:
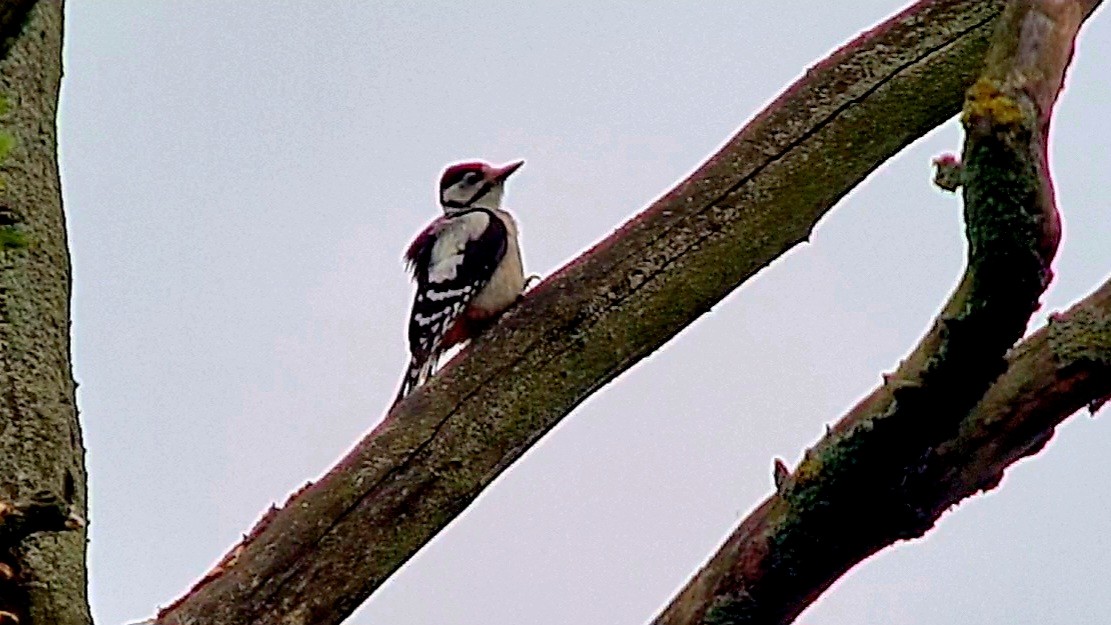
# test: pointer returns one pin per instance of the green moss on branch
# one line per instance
(869, 482)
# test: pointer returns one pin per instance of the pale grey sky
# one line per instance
(241, 178)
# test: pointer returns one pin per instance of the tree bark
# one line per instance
(1057, 371)
(321, 555)
(42, 474)
(909, 451)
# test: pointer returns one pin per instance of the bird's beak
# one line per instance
(498, 174)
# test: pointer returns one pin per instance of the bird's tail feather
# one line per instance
(416, 374)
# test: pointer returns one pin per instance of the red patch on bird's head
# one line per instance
(454, 173)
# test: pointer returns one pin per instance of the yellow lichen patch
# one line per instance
(808, 469)
(985, 100)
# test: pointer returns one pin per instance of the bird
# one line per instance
(467, 266)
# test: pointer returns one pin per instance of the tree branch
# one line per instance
(1050, 376)
(316, 559)
(876, 477)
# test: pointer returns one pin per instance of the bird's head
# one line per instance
(474, 184)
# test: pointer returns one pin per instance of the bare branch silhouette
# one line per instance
(322, 554)
(890, 467)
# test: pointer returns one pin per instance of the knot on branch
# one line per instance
(1082, 338)
(42, 512)
(12, 235)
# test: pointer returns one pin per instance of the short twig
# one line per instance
(780, 473)
(949, 175)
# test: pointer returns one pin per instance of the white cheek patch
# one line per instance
(460, 193)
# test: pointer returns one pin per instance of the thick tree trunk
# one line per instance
(42, 474)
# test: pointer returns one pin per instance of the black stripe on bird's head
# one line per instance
(474, 184)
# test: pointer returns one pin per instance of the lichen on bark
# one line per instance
(874, 479)
(40, 440)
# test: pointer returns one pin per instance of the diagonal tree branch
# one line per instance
(332, 545)
(875, 478)
(1052, 374)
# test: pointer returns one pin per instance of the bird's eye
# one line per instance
(472, 177)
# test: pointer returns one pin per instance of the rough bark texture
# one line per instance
(42, 512)
(12, 15)
(316, 559)
(875, 478)
(40, 441)
(1050, 376)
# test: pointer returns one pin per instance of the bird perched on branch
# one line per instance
(467, 265)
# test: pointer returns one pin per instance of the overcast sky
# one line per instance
(241, 178)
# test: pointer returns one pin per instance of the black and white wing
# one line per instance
(452, 260)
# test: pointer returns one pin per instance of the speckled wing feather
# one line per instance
(452, 260)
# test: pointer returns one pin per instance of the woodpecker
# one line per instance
(466, 263)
